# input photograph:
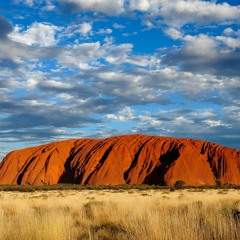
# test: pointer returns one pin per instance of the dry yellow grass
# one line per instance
(113, 214)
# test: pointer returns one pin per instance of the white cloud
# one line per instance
(148, 24)
(180, 12)
(79, 55)
(195, 11)
(102, 77)
(88, 55)
(228, 31)
(144, 5)
(200, 45)
(118, 26)
(85, 28)
(181, 120)
(55, 84)
(124, 115)
(229, 41)
(149, 121)
(104, 31)
(29, 3)
(233, 112)
(214, 55)
(174, 13)
(110, 7)
(39, 34)
(48, 7)
(215, 123)
(173, 33)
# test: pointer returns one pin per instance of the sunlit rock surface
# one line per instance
(130, 159)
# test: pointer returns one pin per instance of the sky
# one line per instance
(100, 68)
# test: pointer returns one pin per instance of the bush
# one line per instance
(218, 182)
(179, 184)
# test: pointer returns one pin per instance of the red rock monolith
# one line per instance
(130, 159)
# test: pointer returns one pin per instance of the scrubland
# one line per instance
(120, 214)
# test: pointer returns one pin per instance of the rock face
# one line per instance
(130, 159)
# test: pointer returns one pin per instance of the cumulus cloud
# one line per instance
(144, 5)
(173, 33)
(109, 7)
(180, 12)
(229, 41)
(203, 53)
(173, 13)
(40, 34)
(85, 28)
(124, 115)
(228, 31)
(75, 56)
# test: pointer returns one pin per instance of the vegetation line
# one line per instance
(178, 185)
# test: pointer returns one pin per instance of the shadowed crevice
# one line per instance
(102, 160)
(134, 162)
(20, 177)
(166, 161)
(215, 166)
(68, 176)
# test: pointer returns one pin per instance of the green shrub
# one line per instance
(218, 183)
(179, 184)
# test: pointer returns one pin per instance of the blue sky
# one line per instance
(98, 68)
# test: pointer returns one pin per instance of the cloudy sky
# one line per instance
(97, 68)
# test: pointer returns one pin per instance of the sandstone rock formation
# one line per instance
(130, 159)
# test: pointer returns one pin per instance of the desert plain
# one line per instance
(120, 214)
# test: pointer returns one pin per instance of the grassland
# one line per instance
(119, 214)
